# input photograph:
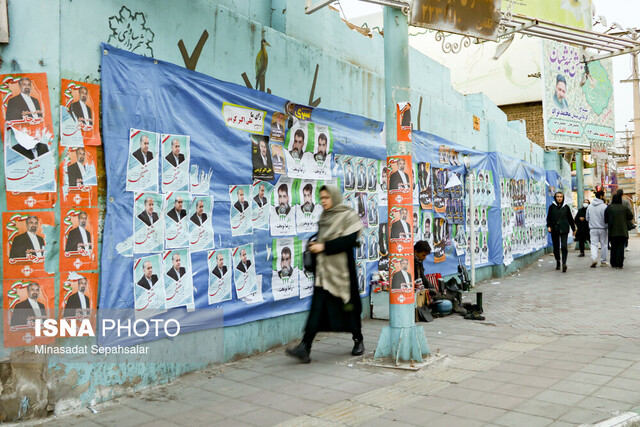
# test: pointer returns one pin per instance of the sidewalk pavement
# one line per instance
(556, 350)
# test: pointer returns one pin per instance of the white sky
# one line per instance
(624, 12)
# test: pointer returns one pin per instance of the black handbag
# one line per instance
(308, 258)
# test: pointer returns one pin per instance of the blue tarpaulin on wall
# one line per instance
(143, 93)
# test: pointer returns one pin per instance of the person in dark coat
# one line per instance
(559, 221)
(583, 226)
(617, 217)
(335, 305)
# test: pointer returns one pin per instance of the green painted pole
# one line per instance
(402, 340)
(579, 179)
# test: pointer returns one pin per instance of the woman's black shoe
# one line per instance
(557, 265)
(358, 348)
(564, 267)
(300, 352)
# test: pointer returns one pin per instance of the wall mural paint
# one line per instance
(129, 31)
(190, 61)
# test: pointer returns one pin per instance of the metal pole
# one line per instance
(579, 179)
(472, 232)
(636, 121)
(402, 339)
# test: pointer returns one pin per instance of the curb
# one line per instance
(626, 419)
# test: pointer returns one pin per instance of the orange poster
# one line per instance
(24, 243)
(18, 200)
(401, 279)
(79, 296)
(26, 107)
(400, 180)
(401, 229)
(78, 177)
(78, 239)
(24, 301)
(403, 116)
(79, 114)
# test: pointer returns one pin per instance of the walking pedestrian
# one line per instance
(626, 202)
(559, 221)
(617, 217)
(335, 305)
(583, 226)
(598, 229)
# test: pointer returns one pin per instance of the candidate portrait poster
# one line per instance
(260, 196)
(25, 105)
(282, 218)
(240, 215)
(201, 235)
(79, 114)
(142, 163)
(148, 223)
(244, 270)
(176, 151)
(261, 158)
(79, 296)
(308, 208)
(317, 158)
(78, 177)
(178, 282)
(278, 124)
(220, 264)
(277, 159)
(176, 219)
(284, 279)
(26, 244)
(295, 146)
(401, 279)
(400, 179)
(148, 286)
(24, 301)
(29, 163)
(79, 239)
(306, 278)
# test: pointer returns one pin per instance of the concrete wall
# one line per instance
(350, 69)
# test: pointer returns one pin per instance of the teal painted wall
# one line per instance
(350, 79)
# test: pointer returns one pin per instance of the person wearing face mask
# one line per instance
(559, 221)
(580, 219)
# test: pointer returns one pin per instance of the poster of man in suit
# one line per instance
(77, 236)
(25, 105)
(282, 218)
(80, 171)
(317, 158)
(142, 164)
(244, 271)
(400, 179)
(28, 161)
(277, 159)
(175, 163)
(260, 196)
(201, 231)
(401, 279)
(219, 262)
(261, 158)
(148, 286)
(240, 215)
(178, 283)
(79, 295)
(26, 242)
(176, 227)
(294, 149)
(24, 301)
(285, 277)
(309, 209)
(148, 223)
(79, 114)
(277, 127)
(348, 175)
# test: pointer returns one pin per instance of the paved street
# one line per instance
(556, 349)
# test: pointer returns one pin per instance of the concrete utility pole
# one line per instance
(402, 339)
(635, 80)
(579, 179)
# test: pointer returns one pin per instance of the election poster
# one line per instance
(79, 114)
(25, 302)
